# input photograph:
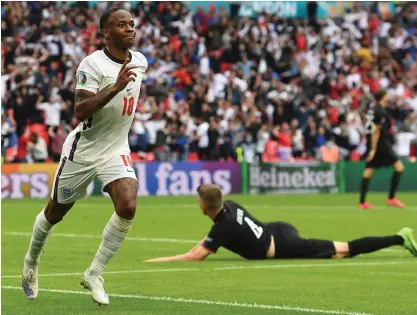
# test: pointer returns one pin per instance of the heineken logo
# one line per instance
(274, 177)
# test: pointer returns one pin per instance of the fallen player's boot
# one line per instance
(409, 241)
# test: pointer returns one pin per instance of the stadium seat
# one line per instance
(225, 66)
(45, 136)
(37, 128)
(300, 158)
(11, 153)
(271, 152)
(135, 157)
(40, 130)
(149, 157)
(413, 150)
(193, 157)
(355, 156)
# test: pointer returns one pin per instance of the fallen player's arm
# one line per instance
(197, 253)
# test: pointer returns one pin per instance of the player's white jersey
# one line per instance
(105, 134)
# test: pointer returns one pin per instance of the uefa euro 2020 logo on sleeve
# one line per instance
(81, 78)
(67, 192)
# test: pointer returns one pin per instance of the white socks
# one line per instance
(41, 230)
(113, 235)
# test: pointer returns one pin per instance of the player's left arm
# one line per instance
(197, 253)
(378, 120)
(376, 134)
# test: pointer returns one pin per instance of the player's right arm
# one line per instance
(218, 236)
(199, 244)
(376, 134)
(87, 100)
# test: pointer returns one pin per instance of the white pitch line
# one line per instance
(207, 302)
(316, 265)
(128, 238)
(325, 207)
(108, 272)
(143, 239)
(280, 266)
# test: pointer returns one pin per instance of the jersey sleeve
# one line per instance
(143, 62)
(88, 76)
(378, 117)
(232, 205)
(43, 106)
(217, 237)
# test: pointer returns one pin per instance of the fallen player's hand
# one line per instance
(125, 76)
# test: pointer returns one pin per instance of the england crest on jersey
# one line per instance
(67, 192)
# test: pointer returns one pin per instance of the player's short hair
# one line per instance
(211, 196)
(106, 15)
(380, 94)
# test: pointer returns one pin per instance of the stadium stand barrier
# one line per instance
(381, 179)
(182, 178)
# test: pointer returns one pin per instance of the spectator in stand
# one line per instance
(248, 146)
(180, 144)
(226, 149)
(203, 138)
(321, 137)
(310, 135)
(213, 139)
(285, 143)
(37, 151)
(52, 111)
(404, 139)
(162, 142)
(57, 138)
(9, 139)
(250, 74)
(328, 152)
(262, 139)
(21, 155)
(296, 139)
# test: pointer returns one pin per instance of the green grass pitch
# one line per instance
(383, 283)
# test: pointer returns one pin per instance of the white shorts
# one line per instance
(72, 179)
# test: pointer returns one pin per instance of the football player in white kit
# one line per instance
(107, 91)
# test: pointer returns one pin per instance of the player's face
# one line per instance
(120, 31)
(384, 100)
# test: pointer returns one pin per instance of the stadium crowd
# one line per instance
(218, 86)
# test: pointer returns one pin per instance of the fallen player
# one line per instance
(238, 231)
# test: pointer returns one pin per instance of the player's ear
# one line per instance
(104, 31)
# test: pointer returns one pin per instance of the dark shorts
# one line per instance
(384, 158)
(289, 244)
